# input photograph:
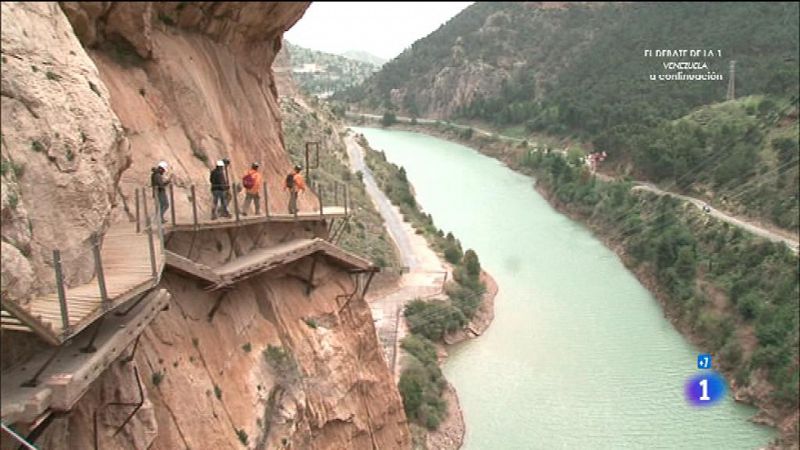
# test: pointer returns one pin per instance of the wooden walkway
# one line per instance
(328, 213)
(129, 263)
(128, 271)
(72, 371)
(263, 260)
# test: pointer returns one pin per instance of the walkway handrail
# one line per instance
(148, 219)
(156, 251)
(334, 194)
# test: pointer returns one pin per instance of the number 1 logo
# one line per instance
(704, 384)
(705, 389)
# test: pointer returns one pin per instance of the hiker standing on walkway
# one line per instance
(294, 184)
(229, 192)
(219, 191)
(159, 183)
(252, 185)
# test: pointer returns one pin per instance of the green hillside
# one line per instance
(741, 156)
(319, 73)
(581, 73)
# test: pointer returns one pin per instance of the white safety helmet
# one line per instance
(163, 165)
(220, 163)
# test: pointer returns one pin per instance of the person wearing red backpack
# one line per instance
(251, 181)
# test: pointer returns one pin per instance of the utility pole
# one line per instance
(732, 81)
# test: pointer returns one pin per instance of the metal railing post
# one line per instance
(149, 226)
(98, 267)
(235, 201)
(62, 296)
(144, 205)
(346, 198)
(266, 201)
(172, 203)
(194, 208)
(320, 194)
(160, 223)
(138, 228)
(336, 194)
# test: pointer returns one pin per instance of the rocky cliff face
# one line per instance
(62, 144)
(94, 94)
(262, 365)
(191, 85)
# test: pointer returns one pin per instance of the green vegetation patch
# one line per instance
(422, 383)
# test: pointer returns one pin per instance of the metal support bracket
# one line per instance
(216, 306)
(129, 358)
(369, 280)
(90, 348)
(310, 283)
(234, 236)
(349, 295)
(137, 405)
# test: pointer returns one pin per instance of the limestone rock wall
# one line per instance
(62, 144)
(118, 87)
(193, 85)
(212, 377)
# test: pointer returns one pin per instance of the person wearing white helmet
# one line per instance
(159, 183)
(219, 189)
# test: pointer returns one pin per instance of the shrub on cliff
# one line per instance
(281, 361)
(421, 383)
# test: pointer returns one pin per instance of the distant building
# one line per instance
(309, 68)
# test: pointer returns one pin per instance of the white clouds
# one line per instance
(384, 29)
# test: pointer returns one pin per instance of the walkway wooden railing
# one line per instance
(130, 258)
(333, 201)
(127, 262)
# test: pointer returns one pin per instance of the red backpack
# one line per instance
(249, 181)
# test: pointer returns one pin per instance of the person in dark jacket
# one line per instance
(159, 182)
(219, 190)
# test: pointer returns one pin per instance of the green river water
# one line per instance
(579, 355)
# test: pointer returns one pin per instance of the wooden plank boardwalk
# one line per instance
(187, 224)
(263, 260)
(132, 263)
(128, 272)
(72, 371)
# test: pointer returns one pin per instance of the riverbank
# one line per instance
(483, 316)
(427, 272)
(451, 432)
(755, 393)
(498, 146)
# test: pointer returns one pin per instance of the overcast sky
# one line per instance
(384, 29)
